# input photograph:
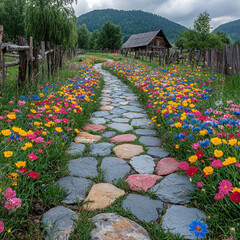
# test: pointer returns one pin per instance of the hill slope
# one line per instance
(131, 22)
(231, 28)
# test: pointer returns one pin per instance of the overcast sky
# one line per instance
(183, 12)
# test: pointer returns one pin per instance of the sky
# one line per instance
(183, 12)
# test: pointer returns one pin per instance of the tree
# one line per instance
(224, 37)
(202, 25)
(237, 41)
(110, 36)
(83, 37)
(94, 39)
(51, 20)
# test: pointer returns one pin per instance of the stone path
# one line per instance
(124, 146)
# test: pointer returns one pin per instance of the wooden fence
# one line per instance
(28, 59)
(226, 61)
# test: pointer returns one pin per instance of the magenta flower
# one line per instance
(1, 226)
(13, 203)
(219, 196)
(238, 165)
(200, 184)
(9, 193)
(216, 163)
(38, 139)
(225, 186)
(183, 165)
(32, 156)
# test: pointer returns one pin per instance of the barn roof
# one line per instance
(143, 39)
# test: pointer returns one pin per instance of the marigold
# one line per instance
(11, 116)
(16, 129)
(20, 164)
(229, 160)
(208, 171)
(218, 153)
(58, 129)
(8, 154)
(6, 132)
(232, 141)
(193, 159)
(216, 141)
(178, 124)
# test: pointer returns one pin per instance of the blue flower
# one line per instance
(35, 97)
(198, 228)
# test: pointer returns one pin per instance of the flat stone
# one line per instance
(106, 108)
(98, 120)
(102, 195)
(94, 127)
(109, 134)
(77, 188)
(105, 103)
(141, 123)
(134, 115)
(85, 137)
(132, 98)
(59, 222)
(101, 114)
(106, 99)
(158, 152)
(166, 166)
(145, 132)
(123, 138)
(175, 189)
(143, 164)
(117, 111)
(177, 218)
(83, 167)
(141, 181)
(150, 141)
(115, 169)
(143, 207)
(106, 91)
(120, 120)
(101, 149)
(76, 149)
(133, 109)
(110, 226)
(121, 127)
(128, 151)
(124, 103)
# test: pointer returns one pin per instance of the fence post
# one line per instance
(31, 59)
(43, 59)
(2, 61)
(53, 59)
(48, 58)
(1, 36)
(35, 63)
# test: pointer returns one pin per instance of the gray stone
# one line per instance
(141, 123)
(117, 111)
(112, 116)
(110, 226)
(177, 218)
(76, 149)
(101, 149)
(59, 222)
(101, 114)
(133, 109)
(143, 207)
(143, 164)
(134, 115)
(109, 134)
(115, 168)
(150, 141)
(98, 120)
(121, 127)
(145, 132)
(174, 188)
(76, 188)
(158, 152)
(83, 167)
(120, 120)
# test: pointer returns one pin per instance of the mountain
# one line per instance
(131, 22)
(231, 28)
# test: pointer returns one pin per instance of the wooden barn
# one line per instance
(148, 41)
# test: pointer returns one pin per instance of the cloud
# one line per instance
(180, 11)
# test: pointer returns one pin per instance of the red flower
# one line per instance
(231, 136)
(34, 175)
(235, 197)
(185, 133)
(191, 171)
(23, 170)
(200, 154)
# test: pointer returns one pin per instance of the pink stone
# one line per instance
(166, 166)
(141, 181)
(123, 138)
(94, 127)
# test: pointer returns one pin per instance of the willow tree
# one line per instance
(51, 20)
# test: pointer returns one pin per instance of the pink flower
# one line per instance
(225, 186)
(183, 165)
(238, 165)
(219, 196)
(13, 203)
(200, 184)
(216, 163)
(9, 193)
(228, 239)
(1, 226)
(32, 156)
(65, 120)
(229, 102)
(38, 139)
(49, 142)
(31, 136)
(40, 150)
(21, 103)
(11, 102)
(195, 145)
(16, 110)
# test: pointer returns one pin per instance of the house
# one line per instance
(148, 41)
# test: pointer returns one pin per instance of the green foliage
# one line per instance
(131, 22)
(51, 20)
(93, 42)
(110, 36)
(237, 41)
(224, 37)
(12, 19)
(231, 28)
(83, 37)
(202, 24)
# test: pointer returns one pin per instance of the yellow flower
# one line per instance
(232, 141)
(20, 164)
(229, 160)
(177, 146)
(24, 148)
(9, 230)
(224, 141)
(193, 159)
(216, 141)
(11, 116)
(203, 132)
(236, 189)
(22, 133)
(208, 170)
(28, 145)
(58, 129)
(177, 124)
(16, 129)
(33, 111)
(44, 133)
(218, 153)
(8, 154)
(76, 130)
(6, 132)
